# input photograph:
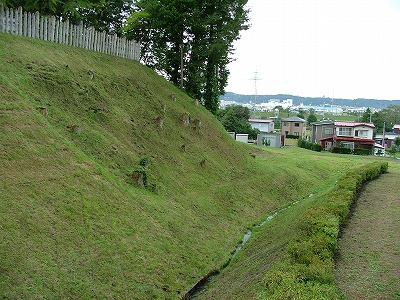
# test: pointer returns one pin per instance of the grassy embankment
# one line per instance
(75, 225)
(281, 254)
(368, 260)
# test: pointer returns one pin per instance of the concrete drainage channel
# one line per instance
(201, 285)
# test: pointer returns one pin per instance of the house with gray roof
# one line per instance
(294, 126)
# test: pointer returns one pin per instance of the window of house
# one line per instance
(285, 124)
(328, 145)
(361, 133)
(328, 131)
(349, 145)
(296, 124)
(295, 133)
(286, 132)
(346, 131)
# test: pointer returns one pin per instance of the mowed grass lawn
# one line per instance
(243, 278)
(368, 262)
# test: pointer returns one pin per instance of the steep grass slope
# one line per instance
(73, 222)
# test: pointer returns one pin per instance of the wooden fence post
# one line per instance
(75, 43)
(10, 20)
(20, 22)
(6, 19)
(81, 28)
(29, 24)
(37, 25)
(16, 19)
(45, 28)
(25, 27)
(20, 15)
(2, 17)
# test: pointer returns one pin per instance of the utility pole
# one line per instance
(383, 135)
(255, 79)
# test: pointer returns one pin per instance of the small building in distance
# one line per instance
(264, 125)
(294, 126)
(274, 140)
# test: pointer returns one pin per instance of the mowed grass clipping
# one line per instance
(368, 260)
(73, 222)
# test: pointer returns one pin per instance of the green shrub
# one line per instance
(341, 150)
(307, 272)
(291, 136)
(308, 145)
(361, 151)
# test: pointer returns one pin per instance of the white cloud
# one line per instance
(341, 48)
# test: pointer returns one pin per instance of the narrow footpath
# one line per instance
(368, 260)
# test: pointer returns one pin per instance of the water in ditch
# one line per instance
(202, 284)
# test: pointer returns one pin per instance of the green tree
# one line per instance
(378, 120)
(367, 116)
(190, 42)
(311, 118)
(236, 118)
(391, 116)
(396, 143)
(105, 15)
(392, 151)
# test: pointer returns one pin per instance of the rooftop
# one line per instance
(261, 120)
(294, 119)
(353, 124)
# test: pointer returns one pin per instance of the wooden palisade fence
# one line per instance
(18, 22)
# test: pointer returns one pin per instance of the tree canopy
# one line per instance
(189, 41)
(311, 118)
(104, 15)
(235, 118)
(384, 119)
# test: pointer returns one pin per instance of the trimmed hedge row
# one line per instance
(308, 145)
(292, 136)
(307, 272)
(356, 151)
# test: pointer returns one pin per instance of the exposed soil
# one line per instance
(368, 260)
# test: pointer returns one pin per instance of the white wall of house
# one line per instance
(242, 137)
(274, 139)
(263, 126)
(362, 132)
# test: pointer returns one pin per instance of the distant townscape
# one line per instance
(320, 105)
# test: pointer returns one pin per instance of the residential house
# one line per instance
(264, 125)
(351, 135)
(294, 126)
(388, 137)
(396, 129)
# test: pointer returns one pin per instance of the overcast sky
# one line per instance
(332, 48)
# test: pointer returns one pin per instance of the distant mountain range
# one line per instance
(297, 100)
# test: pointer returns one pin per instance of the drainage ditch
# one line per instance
(201, 285)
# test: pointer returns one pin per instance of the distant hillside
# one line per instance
(75, 224)
(297, 100)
